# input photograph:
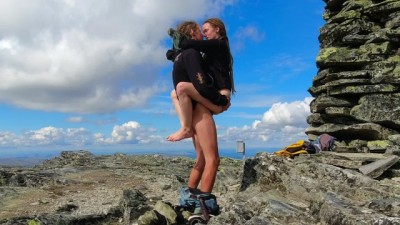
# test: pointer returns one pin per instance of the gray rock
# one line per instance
(379, 108)
(134, 204)
(321, 102)
(305, 191)
(363, 131)
(393, 150)
(376, 168)
(152, 218)
(322, 118)
(167, 211)
(311, 189)
(359, 62)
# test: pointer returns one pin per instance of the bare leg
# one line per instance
(185, 103)
(206, 134)
(175, 102)
(189, 89)
(189, 65)
(198, 168)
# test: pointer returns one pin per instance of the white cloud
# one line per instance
(246, 34)
(128, 133)
(7, 138)
(281, 125)
(58, 136)
(90, 56)
(49, 136)
(215, 7)
(75, 119)
(281, 114)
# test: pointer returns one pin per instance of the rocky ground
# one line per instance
(80, 188)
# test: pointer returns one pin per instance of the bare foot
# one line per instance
(180, 134)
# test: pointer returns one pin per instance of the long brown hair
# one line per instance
(217, 23)
(186, 27)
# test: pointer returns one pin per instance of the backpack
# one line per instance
(191, 201)
(293, 150)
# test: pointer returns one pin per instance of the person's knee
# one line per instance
(201, 87)
(214, 162)
(173, 94)
(182, 88)
(199, 165)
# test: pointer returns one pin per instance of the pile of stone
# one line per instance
(357, 88)
(81, 158)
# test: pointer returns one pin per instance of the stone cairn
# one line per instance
(357, 89)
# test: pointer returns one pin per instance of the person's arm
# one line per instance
(203, 45)
(192, 92)
(171, 54)
(177, 38)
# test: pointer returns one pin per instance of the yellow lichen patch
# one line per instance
(325, 53)
(382, 144)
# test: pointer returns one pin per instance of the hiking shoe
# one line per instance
(188, 200)
(197, 211)
(186, 192)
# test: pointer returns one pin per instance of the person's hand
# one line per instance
(223, 108)
(172, 54)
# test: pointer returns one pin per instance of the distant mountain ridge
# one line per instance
(21, 161)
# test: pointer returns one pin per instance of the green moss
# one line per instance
(396, 71)
(388, 88)
(326, 53)
(346, 16)
(373, 48)
(34, 222)
(381, 144)
(352, 14)
(395, 58)
(363, 2)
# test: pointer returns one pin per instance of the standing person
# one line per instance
(219, 62)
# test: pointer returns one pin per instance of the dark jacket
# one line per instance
(217, 59)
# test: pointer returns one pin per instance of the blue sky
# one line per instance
(93, 74)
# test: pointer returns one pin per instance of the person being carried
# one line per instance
(217, 72)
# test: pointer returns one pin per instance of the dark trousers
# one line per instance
(188, 68)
